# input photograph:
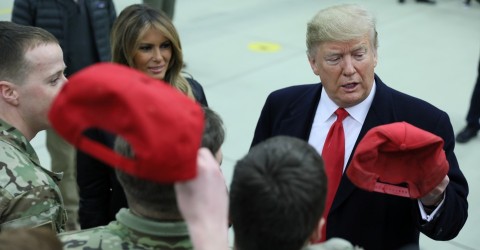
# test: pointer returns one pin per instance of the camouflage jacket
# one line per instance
(29, 195)
(130, 232)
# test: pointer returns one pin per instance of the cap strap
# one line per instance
(391, 189)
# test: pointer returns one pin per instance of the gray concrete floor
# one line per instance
(431, 52)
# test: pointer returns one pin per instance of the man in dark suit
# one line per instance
(342, 51)
(473, 115)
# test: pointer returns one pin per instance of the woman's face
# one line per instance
(153, 54)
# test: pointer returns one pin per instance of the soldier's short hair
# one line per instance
(214, 131)
(156, 197)
(277, 195)
(15, 41)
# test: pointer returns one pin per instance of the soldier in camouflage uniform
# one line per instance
(31, 74)
(164, 128)
(134, 232)
(152, 221)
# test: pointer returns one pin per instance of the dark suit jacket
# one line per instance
(368, 219)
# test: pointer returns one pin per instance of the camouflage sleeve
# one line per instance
(37, 207)
(29, 197)
(92, 238)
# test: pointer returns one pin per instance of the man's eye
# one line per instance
(54, 81)
(359, 56)
(333, 60)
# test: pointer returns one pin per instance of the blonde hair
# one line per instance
(132, 23)
(340, 23)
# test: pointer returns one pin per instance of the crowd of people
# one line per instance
(147, 148)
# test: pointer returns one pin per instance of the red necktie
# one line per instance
(333, 154)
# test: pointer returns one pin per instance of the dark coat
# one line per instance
(372, 220)
(50, 15)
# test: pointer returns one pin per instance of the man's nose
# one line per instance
(348, 66)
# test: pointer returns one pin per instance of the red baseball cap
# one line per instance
(399, 159)
(162, 125)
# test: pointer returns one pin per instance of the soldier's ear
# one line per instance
(317, 233)
(9, 93)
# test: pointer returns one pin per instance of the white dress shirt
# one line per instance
(325, 117)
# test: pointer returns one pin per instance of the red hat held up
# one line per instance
(399, 159)
(162, 125)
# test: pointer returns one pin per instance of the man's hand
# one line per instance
(436, 195)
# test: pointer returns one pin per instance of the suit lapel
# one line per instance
(301, 112)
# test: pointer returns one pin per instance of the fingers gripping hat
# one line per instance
(163, 126)
(399, 159)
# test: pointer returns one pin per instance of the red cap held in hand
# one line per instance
(399, 159)
(163, 126)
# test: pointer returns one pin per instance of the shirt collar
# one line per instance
(358, 112)
(16, 139)
(150, 227)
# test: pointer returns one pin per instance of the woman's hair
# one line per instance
(132, 23)
(340, 23)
